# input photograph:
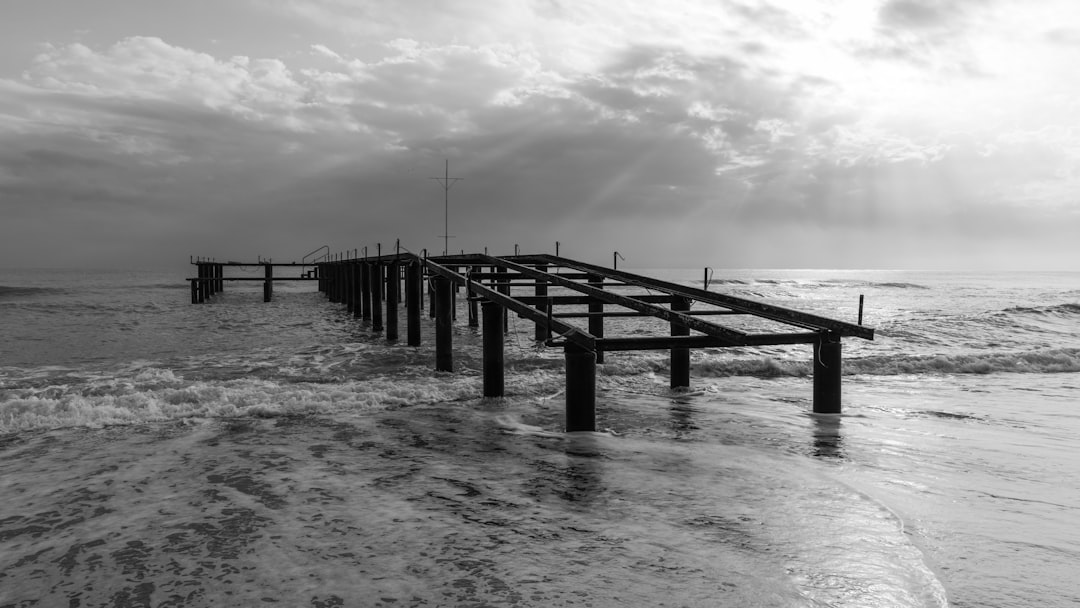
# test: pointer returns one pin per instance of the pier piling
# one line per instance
(444, 325)
(393, 294)
(827, 374)
(580, 388)
(414, 283)
(680, 356)
(494, 384)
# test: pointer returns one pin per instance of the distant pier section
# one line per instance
(574, 305)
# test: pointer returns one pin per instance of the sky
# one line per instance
(724, 133)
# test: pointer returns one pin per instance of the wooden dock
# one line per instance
(496, 285)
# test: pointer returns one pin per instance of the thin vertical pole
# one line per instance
(444, 349)
(494, 377)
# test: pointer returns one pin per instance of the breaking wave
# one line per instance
(1042, 361)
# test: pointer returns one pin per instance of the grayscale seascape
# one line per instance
(160, 453)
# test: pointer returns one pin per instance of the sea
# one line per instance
(155, 452)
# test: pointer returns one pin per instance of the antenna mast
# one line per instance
(447, 183)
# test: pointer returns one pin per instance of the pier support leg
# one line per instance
(541, 332)
(680, 357)
(474, 313)
(413, 284)
(376, 296)
(348, 293)
(268, 283)
(356, 287)
(580, 388)
(444, 325)
(393, 294)
(596, 323)
(494, 384)
(365, 290)
(827, 368)
(194, 291)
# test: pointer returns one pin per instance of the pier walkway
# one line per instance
(574, 305)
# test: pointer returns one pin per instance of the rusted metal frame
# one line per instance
(668, 342)
(692, 313)
(735, 336)
(760, 309)
(564, 330)
(580, 300)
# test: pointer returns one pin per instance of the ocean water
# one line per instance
(159, 453)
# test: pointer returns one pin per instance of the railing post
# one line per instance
(580, 388)
(494, 383)
(680, 357)
(827, 373)
(414, 282)
(444, 325)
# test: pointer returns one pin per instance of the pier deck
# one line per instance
(535, 287)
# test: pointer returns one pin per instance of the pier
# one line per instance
(574, 305)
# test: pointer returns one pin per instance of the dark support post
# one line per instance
(393, 293)
(444, 325)
(541, 290)
(596, 322)
(365, 290)
(414, 282)
(348, 293)
(504, 288)
(580, 388)
(827, 368)
(194, 291)
(356, 288)
(680, 357)
(494, 384)
(474, 316)
(431, 304)
(268, 284)
(376, 296)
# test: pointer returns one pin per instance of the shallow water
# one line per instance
(155, 452)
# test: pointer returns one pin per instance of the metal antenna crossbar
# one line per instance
(447, 183)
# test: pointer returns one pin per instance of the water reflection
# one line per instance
(828, 438)
(583, 474)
